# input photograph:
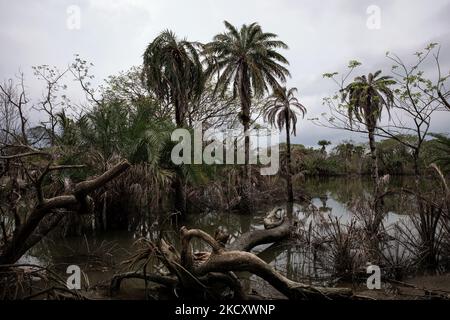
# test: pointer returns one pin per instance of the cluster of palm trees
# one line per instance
(242, 61)
(246, 62)
(134, 117)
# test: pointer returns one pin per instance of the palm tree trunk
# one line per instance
(377, 204)
(179, 181)
(245, 203)
(290, 192)
(245, 118)
(373, 153)
(180, 112)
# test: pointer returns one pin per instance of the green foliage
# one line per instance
(173, 72)
(330, 74)
(353, 64)
(247, 61)
(440, 151)
(323, 144)
(395, 157)
(367, 97)
(281, 108)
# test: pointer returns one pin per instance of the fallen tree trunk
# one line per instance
(195, 272)
(222, 260)
(172, 282)
(245, 261)
(251, 239)
(168, 281)
(26, 234)
(276, 228)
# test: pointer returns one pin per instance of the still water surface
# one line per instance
(100, 255)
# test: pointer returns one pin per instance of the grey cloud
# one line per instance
(322, 35)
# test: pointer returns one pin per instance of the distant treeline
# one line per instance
(350, 158)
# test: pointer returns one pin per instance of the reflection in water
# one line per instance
(100, 254)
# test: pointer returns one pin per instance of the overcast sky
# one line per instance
(322, 36)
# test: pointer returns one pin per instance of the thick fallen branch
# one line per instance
(276, 229)
(249, 240)
(77, 200)
(23, 155)
(25, 280)
(222, 260)
(195, 272)
(168, 281)
(171, 282)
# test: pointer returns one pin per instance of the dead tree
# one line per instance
(47, 212)
(13, 101)
(196, 271)
(26, 162)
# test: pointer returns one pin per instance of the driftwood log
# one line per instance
(196, 271)
(276, 228)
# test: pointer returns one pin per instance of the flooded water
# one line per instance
(100, 255)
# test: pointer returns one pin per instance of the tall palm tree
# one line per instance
(359, 151)
(247, 61)
(345, 151)
(323, 144)
(280, 111)
(173, 71)
(367, 98)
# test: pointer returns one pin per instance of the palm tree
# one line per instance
(323, 144)
(280, 112)
(247, 61)
(345, 151)
(359, 151)
(173, 71)
(367, 98)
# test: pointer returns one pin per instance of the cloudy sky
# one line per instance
(322, 36)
